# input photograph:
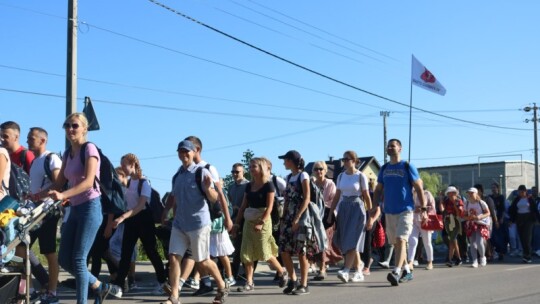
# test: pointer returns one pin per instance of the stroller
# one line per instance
(15, 232)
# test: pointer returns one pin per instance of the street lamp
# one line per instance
(535, 121)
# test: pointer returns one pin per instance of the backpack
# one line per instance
(112, 195)
(277, 209)
(316, 197)
(48, 172)
(214, 208)
(19, 180)
(155, 204)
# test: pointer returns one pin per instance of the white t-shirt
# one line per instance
(7, 172)
(213, 171)
(132, 193)
(478, 209)
(38, 179)
(294, 178)
(352, 184)
(281, 185)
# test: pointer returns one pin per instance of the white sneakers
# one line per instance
(474, 263)
(356, 277)
(483, 261)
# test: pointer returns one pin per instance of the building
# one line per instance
(509, 174)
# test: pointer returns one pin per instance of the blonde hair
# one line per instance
(133, 160)
(263, 167)
(320, 164)
(80, 117)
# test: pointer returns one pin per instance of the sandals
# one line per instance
(246, 288)
(171, 300)
(222, 295)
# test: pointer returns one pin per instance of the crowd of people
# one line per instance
(267, 218)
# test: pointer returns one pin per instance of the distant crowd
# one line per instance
(209, 231)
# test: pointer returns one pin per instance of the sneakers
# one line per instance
(483, 261)
(527, 260)
(101, 293)
(357, 277)
(343, 276)
(393, 278)
(222, 294)
(35, 296)
(301, 290)
(48, 298)
(449, 264)
(474, 263)
(192, 283)
(406, 277)
(231, 281)
(283, 279)
(458, 262)
(415, 263)
(203, 289)
(161, 289)
(291, 286)
(320, 276)
(246, 288)
(384, 264)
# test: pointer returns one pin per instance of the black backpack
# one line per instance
(19, 181)
(155, 204)
(214, 208)
(112, 195)
(277, 209)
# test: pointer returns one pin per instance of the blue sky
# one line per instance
(156, 77)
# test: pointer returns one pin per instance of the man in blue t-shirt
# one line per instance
(395, 182)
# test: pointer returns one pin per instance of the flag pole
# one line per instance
(410, 122)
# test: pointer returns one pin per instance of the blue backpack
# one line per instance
(112, 195)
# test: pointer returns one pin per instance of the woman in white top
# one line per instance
(418, 231)
(477, 216)
(353, 196)
(138, 223)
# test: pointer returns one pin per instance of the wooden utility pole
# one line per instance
(385, 114)
(71, 72)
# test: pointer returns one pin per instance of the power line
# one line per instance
(181, 93)
(251, 116)
(318, 73)
(304, 31)
(287, 61)
(474, 155)
(322, 30)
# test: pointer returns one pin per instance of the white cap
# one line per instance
(450, 189)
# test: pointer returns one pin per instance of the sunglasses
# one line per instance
(235, 172)
(346, 159)
(73, 126)
(318, 169)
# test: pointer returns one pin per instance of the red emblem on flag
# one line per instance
(428, 77)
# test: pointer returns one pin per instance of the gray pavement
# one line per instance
(500, 282)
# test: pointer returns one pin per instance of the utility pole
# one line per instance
(385, 114)
(535, 121)
(71, 72)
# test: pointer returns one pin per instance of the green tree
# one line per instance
(246, 158)
(432, 182)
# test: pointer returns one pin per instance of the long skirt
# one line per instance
(350, 225)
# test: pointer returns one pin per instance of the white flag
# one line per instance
(423, 78)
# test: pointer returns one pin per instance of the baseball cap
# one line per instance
(186, 144)
(292, 155)
(472, 190)
(450, 189)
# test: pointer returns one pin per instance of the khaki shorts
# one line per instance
(197, 241)
(399, 226)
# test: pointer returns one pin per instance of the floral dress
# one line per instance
(301, 242)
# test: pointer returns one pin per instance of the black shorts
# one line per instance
(46, 234)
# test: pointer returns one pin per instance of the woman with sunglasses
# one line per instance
(353, 197)
(85, 217)
(328, 189)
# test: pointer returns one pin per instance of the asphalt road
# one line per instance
(500, 282)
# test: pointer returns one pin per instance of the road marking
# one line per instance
(523, 267)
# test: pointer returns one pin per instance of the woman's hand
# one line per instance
(295, 225)
(56, 196)
(117, 222)
(258, 227)
(369, 224)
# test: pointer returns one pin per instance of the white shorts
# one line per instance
(197, 241)
(399, 226)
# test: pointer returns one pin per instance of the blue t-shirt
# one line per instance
(191, 208)
(398, 187)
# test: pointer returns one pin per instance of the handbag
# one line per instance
(332, 220)
(379, 237)
(434, 222)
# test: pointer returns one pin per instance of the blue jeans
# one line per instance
(78, 235)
